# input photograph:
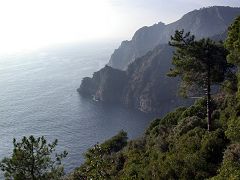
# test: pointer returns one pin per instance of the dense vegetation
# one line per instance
(33, 159)
(179, 146)
(200, 64)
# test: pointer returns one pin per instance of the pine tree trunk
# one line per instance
(209, 113)
(209, 106)
(33, 163)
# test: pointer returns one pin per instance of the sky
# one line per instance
(32, 24)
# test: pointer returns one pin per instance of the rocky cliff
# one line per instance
(148, 88)
(106, 85)
(205, 22)
(143, 85)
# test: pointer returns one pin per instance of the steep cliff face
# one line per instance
(205, 22)
(106, 85)
(144, 86)
(148, 89)
(144, 40)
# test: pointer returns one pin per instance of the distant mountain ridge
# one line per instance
(144, 85)
(205, 22)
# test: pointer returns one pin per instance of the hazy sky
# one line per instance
(30, 24)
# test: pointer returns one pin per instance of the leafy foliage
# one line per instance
(178, 146)
(233, 42)
(200, 64)
(102, 160)
(197, 61)
(32, 159)
(230, 168)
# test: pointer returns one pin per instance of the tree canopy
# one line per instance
(178, 146)
(200, 64)
(232, 42)
(32, 159)
(197, 61)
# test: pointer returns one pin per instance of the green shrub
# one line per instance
(230, 168)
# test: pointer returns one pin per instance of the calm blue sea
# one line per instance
(38, 97)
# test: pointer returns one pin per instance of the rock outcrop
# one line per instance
(106, 85)
(144, 86)
(137, 78)
(205, 22)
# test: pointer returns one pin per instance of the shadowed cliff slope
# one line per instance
(205, 22)
(144, 84)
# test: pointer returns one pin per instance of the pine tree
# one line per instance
(200, 64)
(32, 159)
(232, 44)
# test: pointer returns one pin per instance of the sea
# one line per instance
(38, 97)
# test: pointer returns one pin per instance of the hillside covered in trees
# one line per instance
(180, 145)
(197, 142)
